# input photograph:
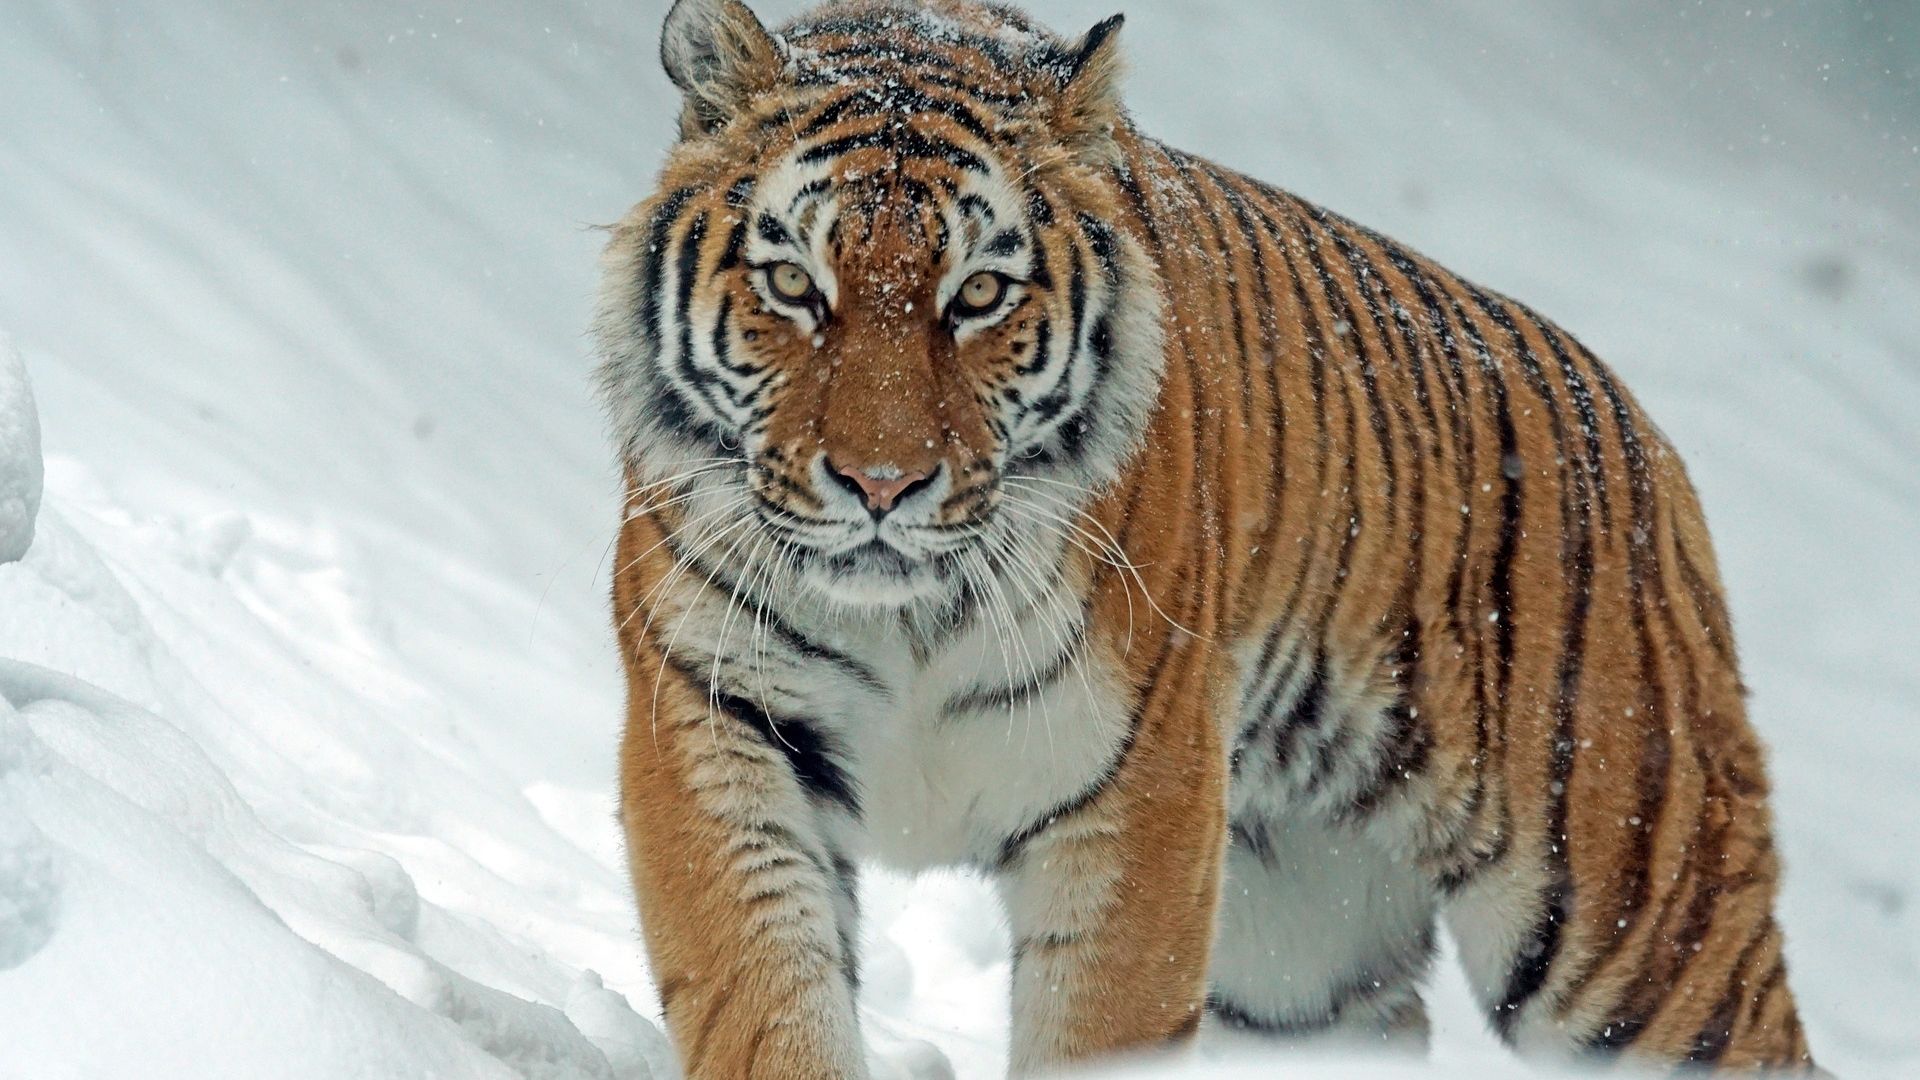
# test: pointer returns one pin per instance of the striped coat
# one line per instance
(1242, 591)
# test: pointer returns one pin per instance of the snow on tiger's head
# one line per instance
(885, 278)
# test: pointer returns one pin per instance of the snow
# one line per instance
(20, 467)
(307, 699)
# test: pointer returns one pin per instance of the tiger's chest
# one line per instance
(953, 748)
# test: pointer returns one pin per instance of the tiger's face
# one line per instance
(883, 302)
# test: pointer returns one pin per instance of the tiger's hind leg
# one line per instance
(1657, 943)
(1322, 936)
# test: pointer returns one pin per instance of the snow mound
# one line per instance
(163, 861)
(20, 466)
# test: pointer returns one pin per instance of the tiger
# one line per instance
(1240, 592)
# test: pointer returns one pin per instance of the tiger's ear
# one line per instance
(719, 56)
(1090, 109)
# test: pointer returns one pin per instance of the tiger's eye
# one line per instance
(789, 282)
(981, 293)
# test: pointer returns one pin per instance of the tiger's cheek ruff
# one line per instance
(1077, 408)
(675, 332)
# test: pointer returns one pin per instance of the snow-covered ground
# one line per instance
(307, 701)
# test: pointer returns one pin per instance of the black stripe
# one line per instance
(810, 753)
(1653, 776)
(1253, 720)
(1457, 408)
(1370, 284)
(736, 243)
(974, 206)
(1708, 606)
(981, 699)
(1316, 350)
(1230, 292)
(1500, 574)
(1528, 974)
(723, 350)
(841, 76)
(1576, 557)
(784, 847)
(1100, 340)
(671, 411)
(1039, 208)
(1002, 244)
(865, 23)
(1583, 402)
(1308, 714)
(1341, 304)
(1253, 835)
(1015, 845)
(658, 232)
(1717, 1032)
(1404, 749)
(1101, 240)
(772, 231)
(1770, 985)
(1453, 384)
(1416, 356)
(1123, 175)
(972, 90)
(896, 101)
(905, 143)
(1045, 941)
(1042, 350)
(1271, 344)
(688, 270)
(1050, 405)
(808, 192)
(1354, 520)
(846, 877)
(1195, 574)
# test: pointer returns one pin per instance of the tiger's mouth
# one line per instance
(874, 557)
(875, 574)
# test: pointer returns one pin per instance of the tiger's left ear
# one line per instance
(1090, 110)
(719, 55)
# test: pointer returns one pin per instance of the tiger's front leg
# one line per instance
(739, 892)
(1112, 900)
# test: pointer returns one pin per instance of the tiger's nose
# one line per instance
(881, 486)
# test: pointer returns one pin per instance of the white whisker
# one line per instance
(1125, 562)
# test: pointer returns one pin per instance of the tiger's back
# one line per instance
(1329, 595)
(1480, 627)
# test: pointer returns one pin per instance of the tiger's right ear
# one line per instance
(719, 56)
(1090, 110)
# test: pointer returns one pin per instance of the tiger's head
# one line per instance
(884, 298)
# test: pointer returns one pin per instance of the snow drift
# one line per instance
(154, 912)
(20, 466)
